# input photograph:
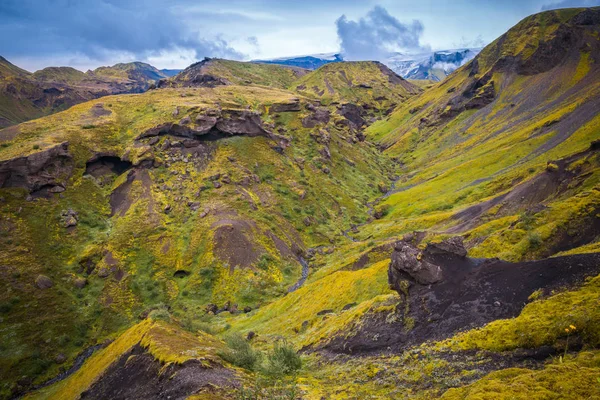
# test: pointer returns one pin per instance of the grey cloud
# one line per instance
(374, 36)
(570, 4)
(98, 29)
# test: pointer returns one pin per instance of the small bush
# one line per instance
(89, 126)
(240, 353)
(161, 314)
(534, 240)
(36, 146)
(283, 360)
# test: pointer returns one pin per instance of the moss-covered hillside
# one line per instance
(362, 83)
(175, 197)
(251, 231)
(500, 151)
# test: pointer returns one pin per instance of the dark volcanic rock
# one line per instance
(453, 245)
(292, 106)
(408, 263)
(318, 116)
(210, 127)
(466, 293)
(353, 113)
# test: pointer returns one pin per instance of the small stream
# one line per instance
(79, 360)
(303, 277)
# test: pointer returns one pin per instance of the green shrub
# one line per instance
(534, 240)
(240, 353)
(161, 314)
(283, 360)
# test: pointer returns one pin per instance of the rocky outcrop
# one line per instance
(213, 126)
(354, 114)
(44, 170)
(318, 115)
(291, 106)
(410, 264)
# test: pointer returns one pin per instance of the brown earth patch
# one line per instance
(120, 198)
(232, 243)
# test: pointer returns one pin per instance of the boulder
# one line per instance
(205, 123)
(80, 282)
(103, 272)
(409, 264)
(43, 282)
(318, 116)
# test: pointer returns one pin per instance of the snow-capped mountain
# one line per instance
(432, 65)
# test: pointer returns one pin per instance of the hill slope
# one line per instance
(25, 96)
(503, 140)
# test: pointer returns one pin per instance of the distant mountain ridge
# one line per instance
(434, 65)
(25, 95)
(312, 61)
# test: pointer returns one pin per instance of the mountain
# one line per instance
(433, 66)
(363, 90)
(313, 61)
(25, 96)
(170, 72)
(212, 72)
(141, 73)
(255, 230)
(497, 141)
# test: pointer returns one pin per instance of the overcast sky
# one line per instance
(172, 34)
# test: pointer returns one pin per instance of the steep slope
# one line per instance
(212, 72)
(25, 96)
(10, 70)
(503, 151)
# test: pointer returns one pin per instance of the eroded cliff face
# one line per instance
(41, 172)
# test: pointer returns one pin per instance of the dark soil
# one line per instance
(471, 293)
(137, 375)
